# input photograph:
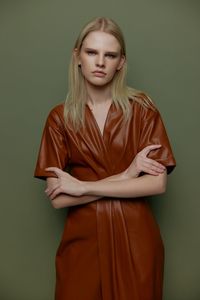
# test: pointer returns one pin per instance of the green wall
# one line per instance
(163, 47)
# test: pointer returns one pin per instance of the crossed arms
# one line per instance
(66, 190)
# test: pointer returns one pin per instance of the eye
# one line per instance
(110, 55)
(90, 52)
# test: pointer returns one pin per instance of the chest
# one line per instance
(99, 114)
(105, 141)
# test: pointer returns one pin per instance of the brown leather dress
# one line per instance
(111, 249)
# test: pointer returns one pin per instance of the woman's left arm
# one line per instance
(145, 185)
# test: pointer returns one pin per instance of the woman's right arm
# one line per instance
(64, 200)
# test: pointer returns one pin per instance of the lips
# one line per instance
(97, 72)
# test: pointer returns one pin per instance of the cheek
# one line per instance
(86, 61)
(113, 68)
(86, 65)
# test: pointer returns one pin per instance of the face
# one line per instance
(100, 58)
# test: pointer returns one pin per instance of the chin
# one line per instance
(98, 83)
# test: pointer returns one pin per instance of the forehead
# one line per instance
(101, 40)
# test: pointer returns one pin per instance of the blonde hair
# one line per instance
(74, 107)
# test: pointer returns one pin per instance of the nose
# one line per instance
(100, 62)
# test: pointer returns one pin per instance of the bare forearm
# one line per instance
(117, 177)
(66, 190)
(64, 200)
(146, 185)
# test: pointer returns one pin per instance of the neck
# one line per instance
(98, 94)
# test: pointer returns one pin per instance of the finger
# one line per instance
(56, 170)
(148, 162)
(55, 193)
(151, 172)
(49, 191)
(155, 164)
(151, 168)
(149, 148)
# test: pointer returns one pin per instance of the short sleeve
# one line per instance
(153, 132)
(53, 147)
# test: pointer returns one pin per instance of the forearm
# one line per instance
(146, 185)
(63, 200)
(66, 190)
(117, 177)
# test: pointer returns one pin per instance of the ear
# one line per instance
(76, 55)
(121, 63)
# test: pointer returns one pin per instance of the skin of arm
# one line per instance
(115, 186)
(64, 200)
(145, 185)
(91, 191)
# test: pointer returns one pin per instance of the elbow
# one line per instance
(162, 189)
(162, 185)
(55, 204)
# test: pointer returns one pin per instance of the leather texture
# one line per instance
(111, 249)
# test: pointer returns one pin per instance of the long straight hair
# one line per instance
(74, 108)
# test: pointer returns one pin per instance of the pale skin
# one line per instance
(100, 58)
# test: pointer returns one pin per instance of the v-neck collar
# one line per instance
(102, 134)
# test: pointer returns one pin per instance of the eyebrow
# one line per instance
(109, 52)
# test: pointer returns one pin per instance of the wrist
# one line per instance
(125, 175)
(130, 173)
(86, 188)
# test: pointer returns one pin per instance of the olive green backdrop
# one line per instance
(36, 38)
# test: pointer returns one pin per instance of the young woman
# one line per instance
(102, 152)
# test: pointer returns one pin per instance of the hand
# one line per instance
(66, 184)
(142, 163)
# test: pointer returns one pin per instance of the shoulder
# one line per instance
(143, 106)
(57, 110)
(56, 115)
